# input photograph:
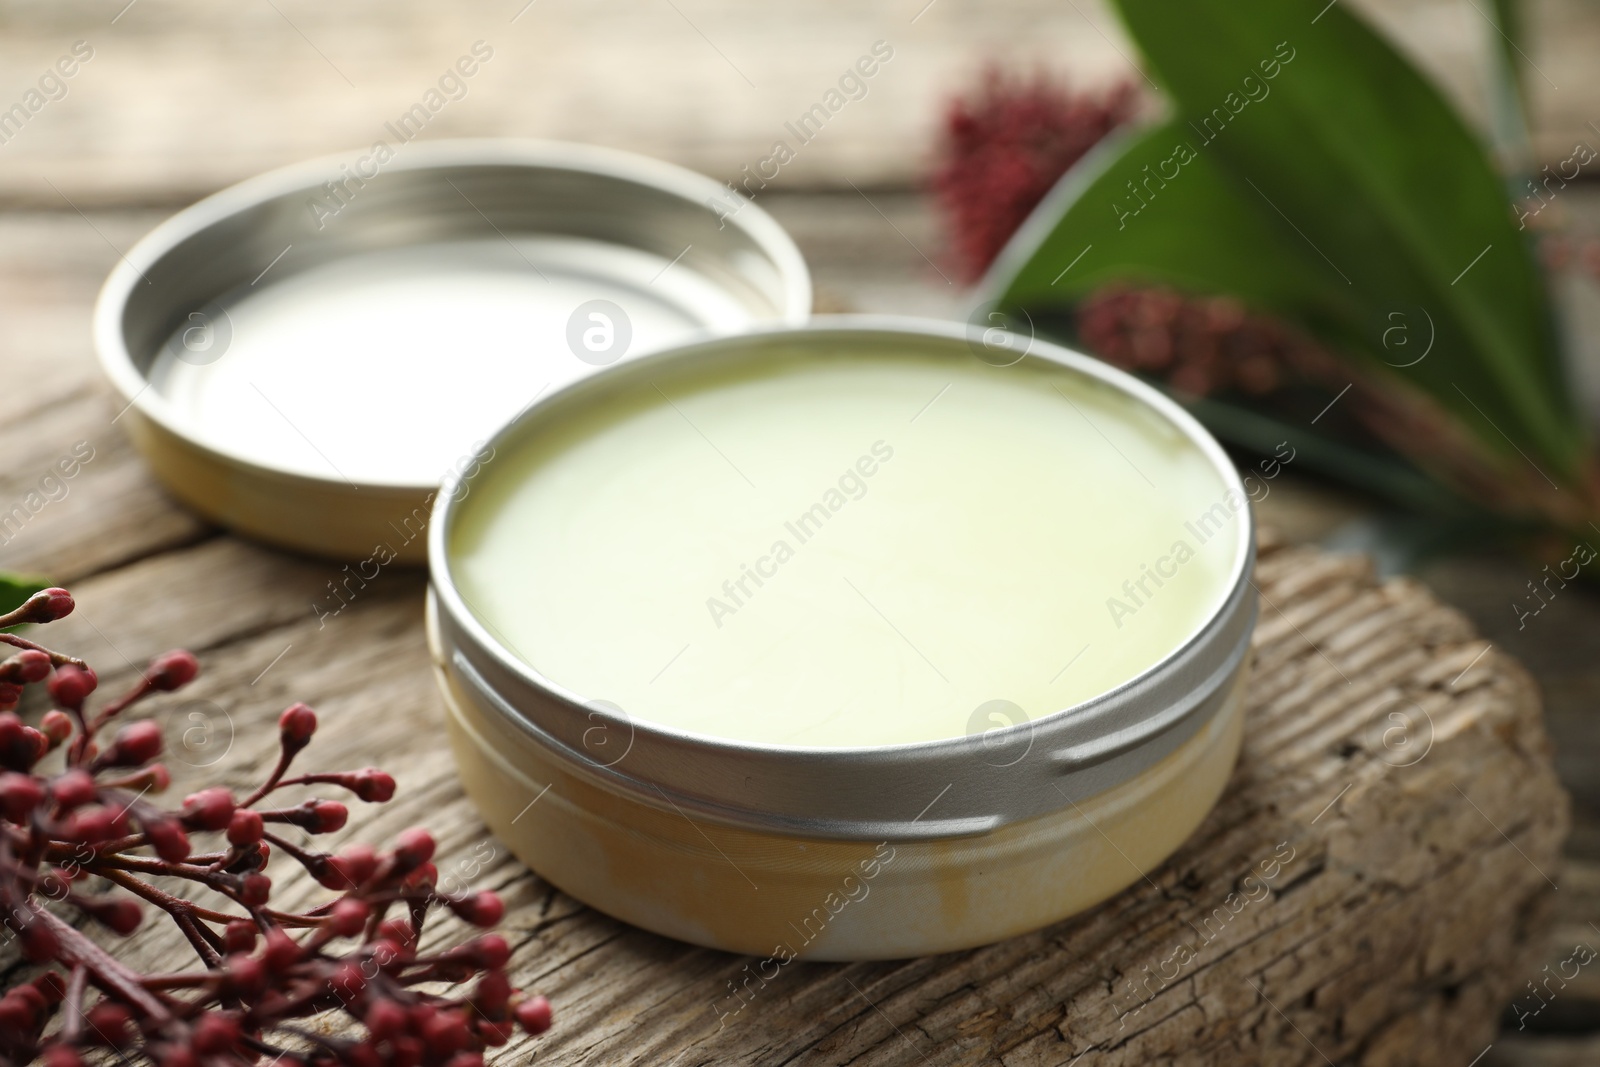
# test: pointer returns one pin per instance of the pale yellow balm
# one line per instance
(859, 549)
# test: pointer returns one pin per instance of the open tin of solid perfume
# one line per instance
(307, 356)
(840, 642)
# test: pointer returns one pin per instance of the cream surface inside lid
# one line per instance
(852, 550)
(386, 367)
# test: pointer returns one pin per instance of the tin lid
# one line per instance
(365, 320)
(940, 788)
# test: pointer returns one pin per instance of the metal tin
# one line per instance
(307, 355)
(671, 830)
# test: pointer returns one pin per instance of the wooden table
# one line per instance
(1400, 878)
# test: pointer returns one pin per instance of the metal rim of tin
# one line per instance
(128, 372)
(880, 792)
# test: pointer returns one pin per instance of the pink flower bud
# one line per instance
(445, 1032)
(56, 725)
(174, 1056)
(47, 605)
(29, 665)
(10, 695)
(355, 865)
(255, 889)
(493, 993)
(135, 744)
(209, 809)
(282, 951)
(413, 848)
(348, 917)
(168, 839)
(372, 785)
(483, 908)
(73, 789)
(534, 1014)
(215, 1034)
(70, 686)
(347, 981)
(239, 936)
(121, 916)
(20, 794)
(172, 670)
(465, 1059)
(39, 943)
(244, 827)
(60, 1056)
(490, 952)
(385, 1020)
(295, 727)
(325, 816)
(246, 975)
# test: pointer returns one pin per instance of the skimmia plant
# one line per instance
(1308, 216)
(85, 855)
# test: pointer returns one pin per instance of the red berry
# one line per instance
(482, 908)
(215, 1034)
(400, 931)
(493, 993)
(19, 795)
(122, 916)
(491, 951)
(56, 725)
(445, 1032)
(347, 981)
(239, 936)
(60, 1056)
(348, 917)
(282, 951)
(325, 816)
(534, 1015)
(385, 1020)
(405, 1051)
(172, 670)
(246, 974)
(111, 1023)
(168, 839)
(373, 785)
(135, 744)
(255, 890)
(244, 827)
(355, 865)
(70, 686)
(413, 848)
(296, 725)
(29, 665)
(209, 809)
(16, 1014)
(73, 789)
(466, 1059)
(39, 942)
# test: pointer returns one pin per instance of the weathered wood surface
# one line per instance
(1411, 913)
(183, 96)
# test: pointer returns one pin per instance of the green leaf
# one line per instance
(1329, 182)
(1193, 233)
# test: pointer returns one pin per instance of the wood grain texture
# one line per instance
(1413, 911)
(184, 96)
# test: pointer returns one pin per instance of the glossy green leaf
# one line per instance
(1115, 218)
(1331, 182)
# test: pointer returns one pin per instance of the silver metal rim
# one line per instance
(926, 789)
(130, 381)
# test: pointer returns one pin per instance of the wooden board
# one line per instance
(1413, 909)
(183, 96)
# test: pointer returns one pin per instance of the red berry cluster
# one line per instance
(1005, 147)
(86, 825)
(1199, 345)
